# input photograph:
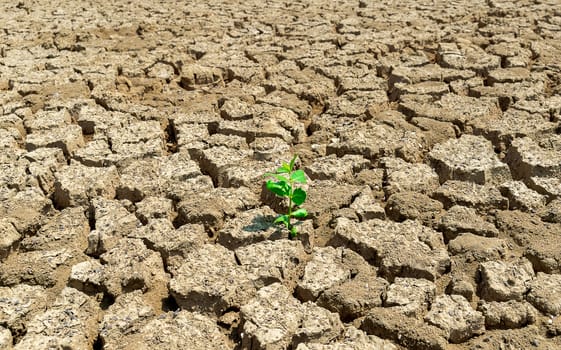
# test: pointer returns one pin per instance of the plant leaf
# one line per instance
(300, 213)
(282, 219)
(280, 188)
(293, 231)
(298, 196)
(292, 161)
(298, 176)
(284, 169)
(277, 176)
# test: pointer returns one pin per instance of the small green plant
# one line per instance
(284, 186)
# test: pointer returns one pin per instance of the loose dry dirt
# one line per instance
(134, 136)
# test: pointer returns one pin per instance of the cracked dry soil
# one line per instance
(134, 136)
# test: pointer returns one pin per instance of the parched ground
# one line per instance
(134, 136)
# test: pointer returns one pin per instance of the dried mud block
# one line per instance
(274, 319)
(76, 185)
(210, 281)
(477, 248)
(508, 75)
(205, 114)
(472, 57)
(435, 131)
(405, 249)
(194, 76)
(540, 240)
(212, 208)
(9, 238)
(12, 154)
(71, 322)
(459, 219)
(410, 296)
(51, 156)
(502, 281)
(367, 82)
(182, 330)
(270, 262)
(513, 124)
(367, 207)
(6, 339)
(318, 325)
(27, 210)
(451, 108)
(18, 304)
(352, 339)
(138, 140)
(525, 338)
(269, 148)
(87, 276)
(548, 186)
(12, 121)
(354, 297)
(552, 212)
(69, 228)
(327, 196)
(405, 331)
(527, 159)
(44, 163)
(228, 141)
(173, 177)
(235, 108)
(14, 174)
(403, 206)
(509, 93)
(322, 272)
(369, 140)
(96, 120)
(283, 100)
(403, 177)
(161, 236)
(247, 173)
(521, 197)
(10, 139)
(68, 138)
(97, 153)
(338, 169)
(151, 208)
(190, 136)
(469, 158)
(431, 88)
(270, 319)
(261, 126)
(356, 103)
(249, 227)
(461, 285)
(468, 194)
(112, 222)
(129, 266)
(46, 120)
(506, 315)
(454, 315)
(545, 293)
(429, 72)
(123, 320)
(214, 161)
(34, 268)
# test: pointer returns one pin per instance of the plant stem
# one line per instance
(289, 227)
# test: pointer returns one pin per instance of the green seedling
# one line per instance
(284, 185)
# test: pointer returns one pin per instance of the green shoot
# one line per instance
(284, 185)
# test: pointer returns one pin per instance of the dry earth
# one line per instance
(133, 138)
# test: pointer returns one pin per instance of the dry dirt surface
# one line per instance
(134, 136)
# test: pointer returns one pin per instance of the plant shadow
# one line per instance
(261, 223)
